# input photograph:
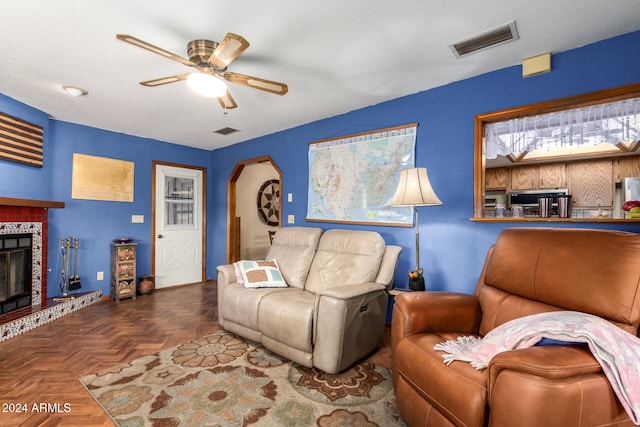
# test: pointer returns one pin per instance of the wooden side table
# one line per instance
(123, 271)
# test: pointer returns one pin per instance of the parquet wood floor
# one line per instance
(43, 366)
(40, 369)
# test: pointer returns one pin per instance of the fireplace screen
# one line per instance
(15, 272)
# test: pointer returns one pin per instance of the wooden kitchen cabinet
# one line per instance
(539, 177)
(591, 183)
(123, 271)
(553, 175)
(496, 179)
(524, 177)
(626, 167)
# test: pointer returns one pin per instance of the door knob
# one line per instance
(160, 236)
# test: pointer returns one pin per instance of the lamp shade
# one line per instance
(414, 189)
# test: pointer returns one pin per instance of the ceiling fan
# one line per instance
(210, 59)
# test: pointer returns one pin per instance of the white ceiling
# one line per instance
(335, 55)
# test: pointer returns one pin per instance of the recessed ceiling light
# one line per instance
(75, 91)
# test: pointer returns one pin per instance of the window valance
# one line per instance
(612, 123)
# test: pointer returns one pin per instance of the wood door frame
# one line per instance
(203, 212)
(233, 225)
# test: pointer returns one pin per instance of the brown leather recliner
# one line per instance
(527, 271)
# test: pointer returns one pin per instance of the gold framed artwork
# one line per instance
(102, 178)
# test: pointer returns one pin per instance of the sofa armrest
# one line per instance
(351, 291)
(226, 274)
(418, 312)
(553, 362)
(348, 324)
(388, 266)
(551, 386)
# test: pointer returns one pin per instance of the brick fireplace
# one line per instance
(26, 217)
(29, 218)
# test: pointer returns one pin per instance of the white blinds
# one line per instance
(612, 123)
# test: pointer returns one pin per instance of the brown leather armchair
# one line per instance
(527, 271)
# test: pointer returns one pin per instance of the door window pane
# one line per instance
(179, 201)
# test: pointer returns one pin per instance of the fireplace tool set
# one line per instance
(68, 282)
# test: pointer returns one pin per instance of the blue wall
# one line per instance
(452, 247)
(21, 181)
(95, 223)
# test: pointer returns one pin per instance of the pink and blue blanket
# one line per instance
(617, 351)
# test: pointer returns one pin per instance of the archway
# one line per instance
(233, 221)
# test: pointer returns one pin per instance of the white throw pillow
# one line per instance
(260, 274)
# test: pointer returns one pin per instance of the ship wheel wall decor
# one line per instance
(269, 202)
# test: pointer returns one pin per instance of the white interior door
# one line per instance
(178, 226)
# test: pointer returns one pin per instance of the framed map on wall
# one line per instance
(352, 178)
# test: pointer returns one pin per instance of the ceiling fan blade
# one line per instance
(256, 83)
(165, 80)
(228, 49)
(155, 49)
(227, 102)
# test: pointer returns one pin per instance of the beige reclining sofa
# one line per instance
(333, 309)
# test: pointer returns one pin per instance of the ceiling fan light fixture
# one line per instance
(210, 59)
(206, 85)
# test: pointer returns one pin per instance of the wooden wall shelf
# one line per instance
(561, 220)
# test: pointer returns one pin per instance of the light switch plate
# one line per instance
(137, 219)
(100, 275)
(290, 197)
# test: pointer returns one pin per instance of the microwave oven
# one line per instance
(529, 199)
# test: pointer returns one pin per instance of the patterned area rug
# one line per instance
(223, 380)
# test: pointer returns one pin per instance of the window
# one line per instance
(179, 201)
(612, 127)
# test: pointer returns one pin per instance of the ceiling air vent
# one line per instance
(496, 36)
(225, 131)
